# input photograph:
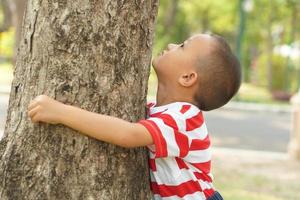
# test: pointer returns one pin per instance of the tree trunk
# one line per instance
(269, 50)
(94, 55)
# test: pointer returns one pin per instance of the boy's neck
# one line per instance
(166, 96)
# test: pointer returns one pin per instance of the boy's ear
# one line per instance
(188, 79)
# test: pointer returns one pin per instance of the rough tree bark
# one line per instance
(94, 54)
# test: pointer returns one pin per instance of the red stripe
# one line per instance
(169, 120)
(181, 164)
(185, 108)
(203, 176)
(154, 188)
(181, 190)
(181, 139)
(204, 167)
(208, 192)
(198, 144)
(182, 142)
(152, 164)
(194, 122)
(158, 113)
(158, 139)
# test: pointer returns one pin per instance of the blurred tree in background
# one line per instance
(11, 17)
(265, 34)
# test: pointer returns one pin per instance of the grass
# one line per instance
(237, 186)
(256, 177)
(256, 94)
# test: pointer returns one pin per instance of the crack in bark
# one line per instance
(33, 31)
(18, 124)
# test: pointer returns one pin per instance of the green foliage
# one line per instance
(284, 77)
(7, 44)
(176, 32)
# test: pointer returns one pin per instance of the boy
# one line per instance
(198, 75)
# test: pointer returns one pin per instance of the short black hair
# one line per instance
(219, 76)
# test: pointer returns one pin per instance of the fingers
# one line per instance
(33, 114)
(33, 111)
(32, 104)
(35, 118)
(36, 107)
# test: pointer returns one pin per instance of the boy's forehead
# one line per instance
(202, 41)
(200, 37)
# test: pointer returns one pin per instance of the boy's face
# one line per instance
(178, 59)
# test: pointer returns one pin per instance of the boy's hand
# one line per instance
(45, 109)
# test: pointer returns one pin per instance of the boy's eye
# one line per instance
(182, 45)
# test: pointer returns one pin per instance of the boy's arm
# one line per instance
(106, 128)
(102, 127)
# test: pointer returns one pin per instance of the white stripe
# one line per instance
(198, 156)
(183, 176)
(211, 176)
(198, 133)
(168, 135)
(151, 155)
(152, 176)
(167, 172)
(194, 196)
(177, 107)
(178, 118)
(192, 112)
(173, 106)
(205, 185)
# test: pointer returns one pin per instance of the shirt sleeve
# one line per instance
(168, 140)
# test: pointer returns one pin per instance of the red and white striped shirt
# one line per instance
(180, 157)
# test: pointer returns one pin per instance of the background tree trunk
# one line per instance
(270, 47)
(7, 15)
(170, 18)
(92, 54)
(13, 11)
(19, 6)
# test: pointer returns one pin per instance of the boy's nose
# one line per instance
(171, 46)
